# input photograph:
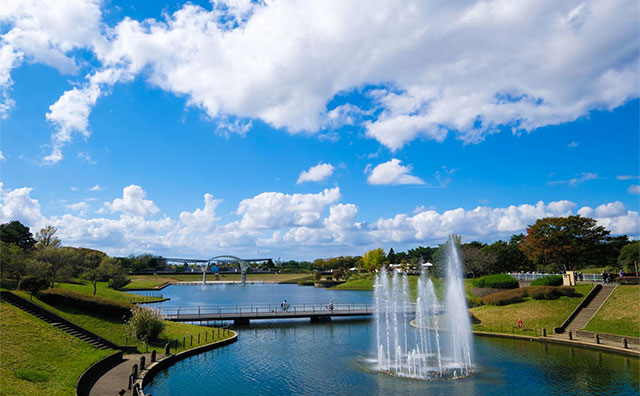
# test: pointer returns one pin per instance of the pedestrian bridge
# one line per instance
(243, 314)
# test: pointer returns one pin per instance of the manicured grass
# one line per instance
(113, 329)
(104, 290)
(620, 314)
(357, 283)
(150, 281)
(37, 358)
(597, 271)
(535, 314)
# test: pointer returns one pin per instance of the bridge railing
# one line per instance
(273, 309)
(523, 276)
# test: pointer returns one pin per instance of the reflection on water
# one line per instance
(298, 358)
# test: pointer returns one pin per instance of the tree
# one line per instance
(17, 233)
(563, 243)
(47, 237)
(103, 272)
(630, 256)
(509, 257)
(391, 256)
(11, 261)
(373, 259)
(58, 261)
(34, 284)
(477, 261)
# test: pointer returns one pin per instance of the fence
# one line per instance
(525, 276)
(274, 309)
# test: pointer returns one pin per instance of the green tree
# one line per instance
(476, 260)
(144, 325)
(58, 261)
(509, 257)
(391, 256)
(630, 256)
(46, 237)
(12, 261)
(373, 259)
(17, 233)
(563, 243)
(34, 284)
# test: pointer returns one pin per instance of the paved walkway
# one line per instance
(588, 312)
(118, 377)
(590, 341)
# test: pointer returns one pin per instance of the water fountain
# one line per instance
(438, 346)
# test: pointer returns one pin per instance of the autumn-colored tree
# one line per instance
(563, 243)
(373, 259)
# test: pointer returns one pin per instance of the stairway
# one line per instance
(53, 320)
(585, 315)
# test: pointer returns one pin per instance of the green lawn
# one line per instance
(104, 290)
(113, 329)
(620, 314)
(150, 281)
(535, 314)
(37, 358)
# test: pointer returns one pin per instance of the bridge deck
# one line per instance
(266, 315)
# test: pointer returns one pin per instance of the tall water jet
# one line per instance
(458, 322)
(439, 344)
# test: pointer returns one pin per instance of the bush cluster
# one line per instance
(628, 280)
(103, 305)
(553, 280)
(144, 325)
(497, 281)
(536, 292)
(549, 292)
(505, 297)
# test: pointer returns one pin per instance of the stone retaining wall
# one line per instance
(95, 371)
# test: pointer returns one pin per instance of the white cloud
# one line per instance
(132, 203)
(275, 210)
(307, 232)
(634, 189)
(81, 207)
(1, 156)
(584, 176)
(316, 173)
(86, 157)
(573, 144)
(392, 172)
(97, 187)
(540, 63)
(202, 219)
(627, 177)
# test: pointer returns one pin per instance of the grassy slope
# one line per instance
(104, 291)
(535, 314)
(37, 358)
(113, 329)
(149, 281)
(620, 314)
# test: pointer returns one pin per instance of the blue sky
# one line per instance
(188, 130)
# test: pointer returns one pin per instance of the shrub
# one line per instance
(497, 281)
(118, 281)
(144, 325)
(549, 292)
(628, 280)
(103, 305)
(505, 297)
(33, 284)
(553, 280)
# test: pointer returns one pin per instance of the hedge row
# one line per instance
(536, 292)
(628, 280)
(102, 305)
(553, 280)
(497, 281)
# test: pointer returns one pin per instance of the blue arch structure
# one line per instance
(243, 266)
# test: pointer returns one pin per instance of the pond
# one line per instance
(337, 358)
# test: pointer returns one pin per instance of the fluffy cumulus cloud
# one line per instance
(392, 172)
(276, 210)
(316, 173)
(470, 67)
(303, 226)
(132, 203)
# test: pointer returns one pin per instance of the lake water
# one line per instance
(299, 358)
